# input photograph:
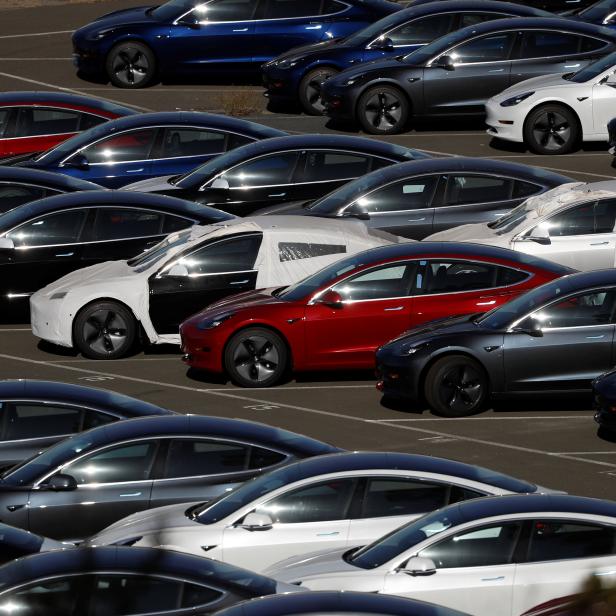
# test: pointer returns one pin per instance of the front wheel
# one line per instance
(551, 129)
(310, 90)
(256, 357)
(456, 386)
(131, 65)
(383, 110)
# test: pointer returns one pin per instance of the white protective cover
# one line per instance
(52, 319)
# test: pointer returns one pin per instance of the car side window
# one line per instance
(121, 463)
(12, 195)
(41, 598)
(224, 10)
(422, 30)
(127, 147)
(483, 547)
(465, 188)
(318, 502)
(565, 539)
(35, 121)
(93, 419)
(470, 19)
(187, 458)
(285, 9)
(455, 276)
(409, 194)
(490, 48)
(330, 166)
(179, 142)
(4, 120)
(125, 223)
(330, 7)
(51, 230)
(272, 170)
(175, 223)
(585, 219)
(25, 420)
(393, 280)
(548, 43)
(522, 189)
(88, 120)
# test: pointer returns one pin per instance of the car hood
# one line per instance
(118, 19)
(286, 208)
(376, 66)
(152, 184)
(535, 83)
(477, 232)
(308, 50)
(319, 563)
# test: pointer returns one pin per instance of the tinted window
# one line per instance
(278, 9)
(175, 223)
(60, 228)
(90, 121)
(463, 189)
(93, 419)
(458, 494)
(389, 496)
(490, 48)
(470, 19)
(323, 166)
(45, 598)
(187, 458)
(4, 119)
(490, 545)
(292, 251)
(262, 458)
(123, 463)
(560, 540)
(540, 44)
(191, 142)
(29, 420)
(328, 500)
(393, 280)
(332, 6)
(236, 141)
(123, 223)
(422, 30)
(131, 146)
(591, 44)
(12, 195)
(34, 121)
(411, 194)
(15, 542)
(266, 171)
(224, 10)
(585, 219)
(522, 189)
(456, 276)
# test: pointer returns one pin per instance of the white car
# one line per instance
(573, 224)
(488, 557)
(553, 114)
(102, 309)
(330, 501)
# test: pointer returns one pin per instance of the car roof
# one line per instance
(45, 178)
(587, 280)
(427, 7)
(54, 391)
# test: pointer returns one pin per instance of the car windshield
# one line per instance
(374, 30)
(402, 539)
(500, 318)
(598, 11)
(173, 9)
(158, 252)
(78, 142)
(349, 192)
(434, 49)
(593, 70)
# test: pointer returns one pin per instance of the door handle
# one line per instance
(314, 27)
(595, 337)
(333, 533)
(239, 281)
(241, 30)
(65, 254)
(415, 219)
(493, 579)
(278, 195)
(496, 70)
(393, 309)
(572, 65)
(486, 303)
(599, 243)
(130, 494)
(135, 170)
(13, 508)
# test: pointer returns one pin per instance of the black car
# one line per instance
(554, 339)
(137, 464)
(279, 170)
(114, 580)
(46, 239)
(456, 74)
(604, 392)
(554, 6)
(347, 603)
(19, 186)
(419, 198)
(37, 414)
(17, 542)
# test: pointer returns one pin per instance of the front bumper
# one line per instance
(396, 377)
(605, 416)
(279, 84)
(503, 123)
(201, 349)
(49, 322)
(87, 59)
(339, 102)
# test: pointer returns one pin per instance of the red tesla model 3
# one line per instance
(336, 318)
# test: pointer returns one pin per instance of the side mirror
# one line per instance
(257, 521)
(190, 21)
(79, 161)
(62, 483)
(530, 326)
(330, 298)
(220, 184)
(383, 44)
(6, 243)
(445, 62)
(418, 566)
(539, 235)
(178, 270)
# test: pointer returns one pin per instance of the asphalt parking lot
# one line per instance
(551, 442)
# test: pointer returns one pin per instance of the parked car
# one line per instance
(553, 339)
(17, 542)
(561, 7)
(32, 122)
(333, 501)
(456, 74)
(602, 13)
(159, 289)
(139, 464)
(46, 239)
(336, 318)
(274, 171)
(339, 603)
(148, 145)
(128, 581)
(36, 414)
(422, 197)
(604, 395)
(572, 224)
(299, 73)
(485, 556)
(554, 114)
(134, 46)
(19, 186)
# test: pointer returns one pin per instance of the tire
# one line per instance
(131, 65)
(310, 89)
(456, 386)
(383, 110)
(105, 330)
(551, 129)
(256, 357)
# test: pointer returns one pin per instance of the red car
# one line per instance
(33, 122)
(336, 318)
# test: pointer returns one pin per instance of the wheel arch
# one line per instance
(384, 82)
(558, 103)
(315, 66)
(134, 38)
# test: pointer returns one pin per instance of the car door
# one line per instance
(306, 518)
(581, 325)
(376, 307)
(474, 571)
(201, 276)
(217, 35)
(562, 556)
(481, 69)
(581, 236)
(404, 207)
(112, 483)
(7, 131)
(603, 103)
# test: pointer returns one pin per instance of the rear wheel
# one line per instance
(551, 129)
(131, 65)
(310, 89)
(383, 110)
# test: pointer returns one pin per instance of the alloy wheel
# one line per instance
(105, 331)
(130, 66)
(461, 388)
(551, 130)
(256, 358)
(383, 110)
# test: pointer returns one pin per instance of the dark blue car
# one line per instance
(135, 46)
(148, 145)
(299, 73)
(603, 13)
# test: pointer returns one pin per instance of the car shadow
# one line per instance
(418, 126)
(520, 148)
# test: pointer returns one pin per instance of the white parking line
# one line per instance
(9, 36)
(526, 417)
(589, 453)
(16, 329)
(31, 59)
(304, 409)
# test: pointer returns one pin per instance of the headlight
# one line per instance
(59, 295)
(411, 348)
(516, 100)
(288, 62)
(353, 80)
(102, 33)
(212, 323)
